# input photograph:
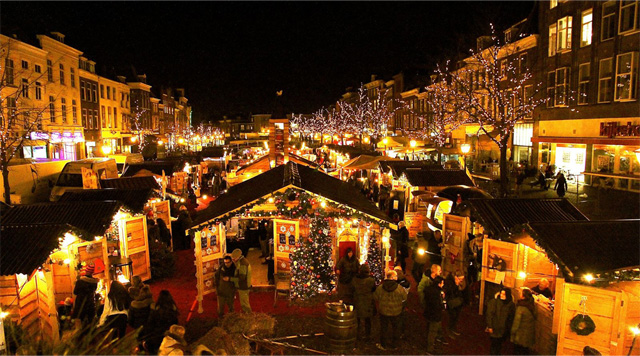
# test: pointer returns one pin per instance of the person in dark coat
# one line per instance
(263, 238)
(153, 232)
(165, 234)
(434, 306)
(561, 185)
(523, 330)
(164, 313)
(453, 286)
(225, 288)
(64, 309)
(406, 285)
(141, 300)
(500, 313)
(364, 285)
(347, 268)
(419, 257)
(391, 299)
(435, 248)
(84, 307)
(183, 223)
(402, 248)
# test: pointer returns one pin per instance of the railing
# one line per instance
(614, 181)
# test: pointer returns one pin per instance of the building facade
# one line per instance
(89, 106)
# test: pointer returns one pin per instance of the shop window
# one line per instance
(626, 69)
(562, 86)
(552, 39)
(603, 158)
(583, 86)
(586, 30)
(628, 16)
(564, 34)
(605, 81)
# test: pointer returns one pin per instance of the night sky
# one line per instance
(232, 57)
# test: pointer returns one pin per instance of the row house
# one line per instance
(89, 107)
(114, 111)
(591, 121)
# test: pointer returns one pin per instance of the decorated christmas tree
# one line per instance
(311, 262)
(374, 259)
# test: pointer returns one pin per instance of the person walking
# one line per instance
(347, 268)
(183, 223)
(402, 248)
(500, 313)
(164, 313)
(434, 306)
(84, 308)
(390, 298)
(561, 185)
(225, 288)
(242, 279)
(523, 331)
(364, 285)
(453, 286)
(115, 314)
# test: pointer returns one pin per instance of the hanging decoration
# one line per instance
(582, 324)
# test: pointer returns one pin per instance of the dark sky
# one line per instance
(232, 57)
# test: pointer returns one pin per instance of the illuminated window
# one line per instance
(562, 86)
(605, 87)
(564, 34)
(587, 23)
(552, 39)
(628, 16)
(583, 86)
(626, 72)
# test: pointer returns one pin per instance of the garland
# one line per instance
(582, 324)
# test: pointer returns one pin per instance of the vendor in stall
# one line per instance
(543, 288)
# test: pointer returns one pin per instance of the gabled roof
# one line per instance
(264, 162)
(289, 175)
(133, 199)
(91, 218)
(130, 183)
(499, 216)
(397, 168)
(153, 167)
(590, 246)
(24, 248)
(437, 177)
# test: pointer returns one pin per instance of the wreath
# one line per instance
(582, 324)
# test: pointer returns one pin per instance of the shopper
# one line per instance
(419, 258)
(173, 343)
(523, 331)
(453, 287)
(427, 280)
(390, 298)
(84, 308)
(402, 248)
(142, 299)
(406, 285)
(364, 285)
(561, 185)
(164, 313)
(225, 288)
(347, 268)
(116, 309)
(242, 279)
(435, 245)
(500, 313)
(434, 307)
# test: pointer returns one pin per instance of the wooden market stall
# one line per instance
(288, 194)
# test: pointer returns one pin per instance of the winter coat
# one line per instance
(433, 303)
(225, 288)
(364, 286)
(85, 291)
(500, 317)
(140, 307)
(452, 291)
(348, 269)
(403, 240)
(390, 298)
(523, 331)
(422, 286)
(173, 345)
(158, 323)
(242, 274)
(561, 186)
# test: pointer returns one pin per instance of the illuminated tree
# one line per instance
(374, 259)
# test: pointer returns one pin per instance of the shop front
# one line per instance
(66, 145)
(36, 146)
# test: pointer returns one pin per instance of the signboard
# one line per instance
(416, 222)
(285, 235)
(211, 246)
(89, 178)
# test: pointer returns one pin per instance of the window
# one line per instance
(74, 111)
(9, 71)
(94, 93)
(11, 108)
(564, 34)
(503, 69)
(115, 118)
(605, 87)
(552, 40)
(608, 21)
(551, 82)
(84, 119)
(49, 70)
(553, 3)
(25, 65)
(73, 77)
(63, 109)
(82, 90)
(38, 91)
(37, 68)
(562, 86)
(52, 109)
(95, 119)
(524, 63)
(587, 23)
(110, 118)
(625, 76)
(104, 118)
(583, 85)
(108, 92)
(628, 16)
(25, 88)
(62, 74)
(101, 91)
(114, 93)
(527, 98)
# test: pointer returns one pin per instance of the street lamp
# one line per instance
(413, 144)
(465, 148)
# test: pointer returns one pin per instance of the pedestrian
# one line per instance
(390, 298)
(561, 185)
(64, 309)
(347, 268)
(173, 343)
(84, 308)
(225, 288)
(115, 314)
(523, 331)
(453, 287)
(364, 285)
(183, 223)
(402, 248)
(500, 313)
(263, 238)
(141, 299)
(164, 313)
(419, 257)
(165, 234)
(434, 306)
(427, 280)
(406, 285)
(519, 180)
(242, 279)
(153, 232)
(435, 248)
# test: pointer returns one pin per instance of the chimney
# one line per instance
(58, 36)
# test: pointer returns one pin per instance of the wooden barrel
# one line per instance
(341, 328)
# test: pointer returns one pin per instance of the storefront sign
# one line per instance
(39, 136)
(416, 222)
(56, 137)
(285, 236)
(613, 129)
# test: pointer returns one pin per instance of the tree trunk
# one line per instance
(5, 181)
(504, 172)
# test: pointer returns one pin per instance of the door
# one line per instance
(454, 236)
(134, 242)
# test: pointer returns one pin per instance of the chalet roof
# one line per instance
(581, 247)
(397, 168)
(437, 177)
(499, 216)
(132, 199)
(91, 218)
(261, 161)
(130, 183)
(25, 247)
(290, 174)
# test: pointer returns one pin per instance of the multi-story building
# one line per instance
(183, 111)
(140, 103)
(89, 107)
(591, 121)
(114, 111)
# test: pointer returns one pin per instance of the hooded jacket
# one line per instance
(390, 298)
(140, 307)
(85, 290)
(225, 288)
(500, 315)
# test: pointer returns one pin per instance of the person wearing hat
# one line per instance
(173, 342)
(242, 279)
(84, 309)
(64, 310)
